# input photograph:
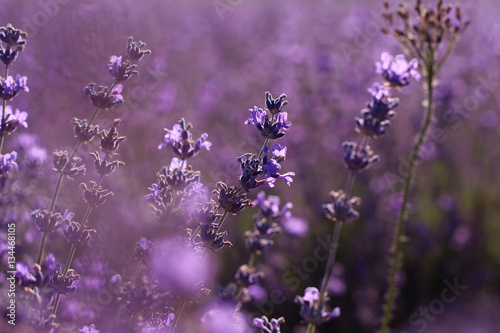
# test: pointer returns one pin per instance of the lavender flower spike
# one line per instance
(12, 121)
(179, 138)
(396, 70)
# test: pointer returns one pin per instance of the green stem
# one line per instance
(399, 239)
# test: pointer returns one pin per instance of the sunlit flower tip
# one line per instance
(110, 140)
(7, 162)
(275, 105)
(11, 87)
(95, 195)
(396, 70)
(14, 38)
(341, 208)
(77, 234)
(134, 50)
(102, 97)
(358, 157)
(268, 326)
(105, 167)
(65, 283)
(89, 329)
(63, 165)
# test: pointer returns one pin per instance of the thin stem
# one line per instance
(178, 316)
(334, 245)
(4, 105)
(399, 239)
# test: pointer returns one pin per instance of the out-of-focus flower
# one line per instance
(269, 207)
(75, 233)
(341, 207)
(308, 309)
(11, 87)
(268, 326)
(382, 103)
(396, 70)
(142, 248)
(179, 139)
(247, 276)
(7, 162)
(357, 157)
(12, 121)
(102, 97)
(47, 222)
(224, 318)
(89, 329)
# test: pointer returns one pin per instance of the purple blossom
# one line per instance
(272, 167)
(11, 87)
(308, 309)
(382, 103)
(121, 70)
(271, 127)
(102, 97)
(396, 70)
(341, 207)
(357, 157)
(179, 138)
(7, 162)
(89, 329)
(269, 207)
(12, 121)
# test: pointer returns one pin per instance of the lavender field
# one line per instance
(250, 166)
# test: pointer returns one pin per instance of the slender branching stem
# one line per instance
(399, 238)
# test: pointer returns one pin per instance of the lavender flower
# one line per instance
(12, 121)
(105, 167)
(121, 70)
(102, 97)
(95, 195)
(179, 139)
(7, 162)
(89, 329)
(248, 276)
(84, 132)
(308, 309)
(11, 87)
(13, 42)
(142, 248)
(272, 128)
(357, 157)
(64, 284)
(268, 326)
(212, 239)
(382, 103)
(230, 198)
(63, 165)
(272, 167)
(46, 221)
(75, 233)
(396, 70)
(134, 50)
(275, 105)
(341, 208)
(110, 140)
(269, 207)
